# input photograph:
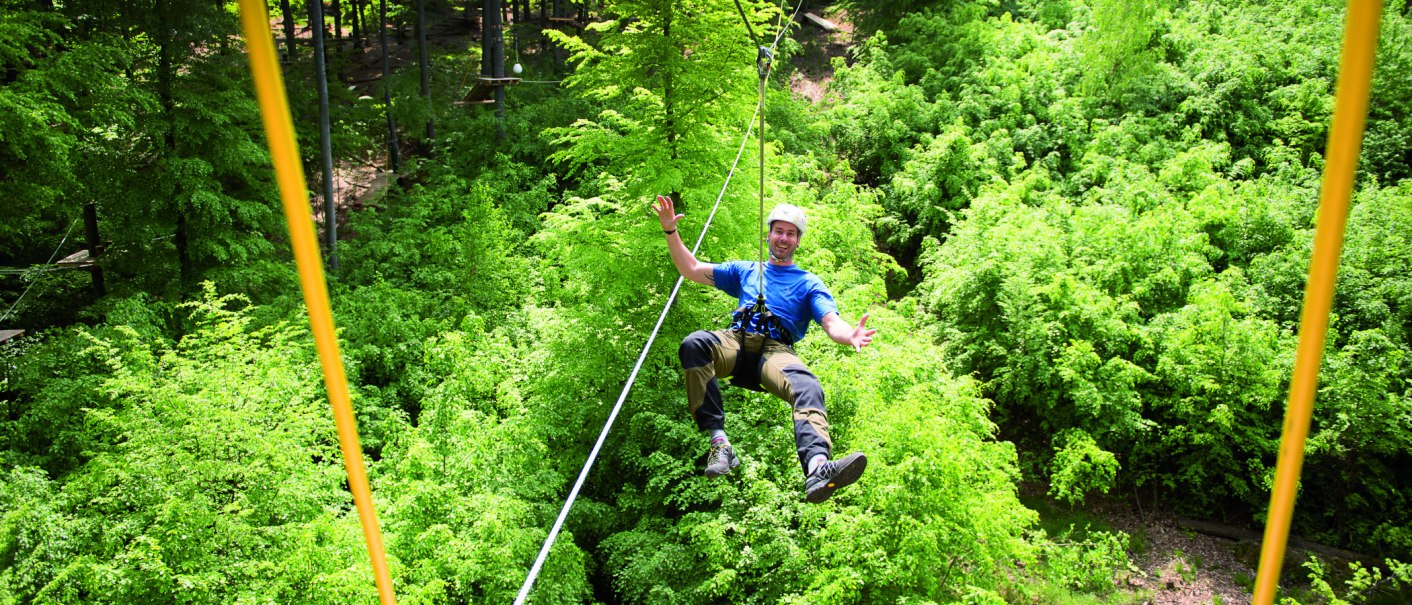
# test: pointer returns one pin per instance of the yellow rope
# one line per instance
(1345, 140)
(279, 128)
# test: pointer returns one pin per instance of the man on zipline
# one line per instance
(757, 354)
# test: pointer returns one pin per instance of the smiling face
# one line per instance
(783, 240)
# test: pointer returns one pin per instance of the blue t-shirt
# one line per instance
(792, 294)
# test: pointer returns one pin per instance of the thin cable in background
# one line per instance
(784, 28)
(47, 269)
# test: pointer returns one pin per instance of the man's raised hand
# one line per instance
(666, 213)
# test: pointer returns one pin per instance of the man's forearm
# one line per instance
(681, 257)
(840, 332)
(686, 262)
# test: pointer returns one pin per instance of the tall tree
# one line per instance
(674, 74)
(356, 19)
(1119, 50)
(337, 9)
(424, 63)
(167, 43)
(392, 152)
(493, 65)
(288, 22)
(316, 19)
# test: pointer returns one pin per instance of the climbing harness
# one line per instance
(757, 319)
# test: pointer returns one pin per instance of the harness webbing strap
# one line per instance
(762, 63)
(289, 174)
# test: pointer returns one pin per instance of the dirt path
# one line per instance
(1181, 567)
(814, 66)
(358, 181)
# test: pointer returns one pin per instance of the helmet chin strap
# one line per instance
(776, 259)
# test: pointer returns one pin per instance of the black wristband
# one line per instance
(674, 230)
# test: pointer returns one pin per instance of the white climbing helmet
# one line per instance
(788, 213)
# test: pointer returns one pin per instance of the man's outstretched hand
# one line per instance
(861, 337)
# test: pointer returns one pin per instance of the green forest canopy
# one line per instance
(1081, 228)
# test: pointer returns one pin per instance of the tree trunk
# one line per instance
(1240, 534)
(185, 270)
(498, 71)
(393, 159)
(668, 98)
(557, 51)
(316, 20)
(354, 18)
(288, 30)
(166, 72)
(490, 21)
(493, 57)
(425, 61)
(95, 246)
(337, 8)
(127, 65)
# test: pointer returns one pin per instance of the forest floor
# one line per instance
(1171, 565)
(1176, 566)
(814, 66)
(358, 181)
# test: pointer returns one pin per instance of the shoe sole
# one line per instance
(850, 470)
(734, 463)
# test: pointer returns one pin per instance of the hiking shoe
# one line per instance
(721, 459)
(832, 475)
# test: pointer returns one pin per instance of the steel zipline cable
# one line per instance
(763, 65)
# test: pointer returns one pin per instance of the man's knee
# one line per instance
(695, 350)
(807, 391)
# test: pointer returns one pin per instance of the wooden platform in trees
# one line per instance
(484, 90)
(569, 21)
(8, 334)
(77, 260)
(824, 24)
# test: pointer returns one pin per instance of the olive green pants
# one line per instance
(762, 364)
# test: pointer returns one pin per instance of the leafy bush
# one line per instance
(174, 500)
(1362, 583)
(1090, 564)
(1080, 467)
